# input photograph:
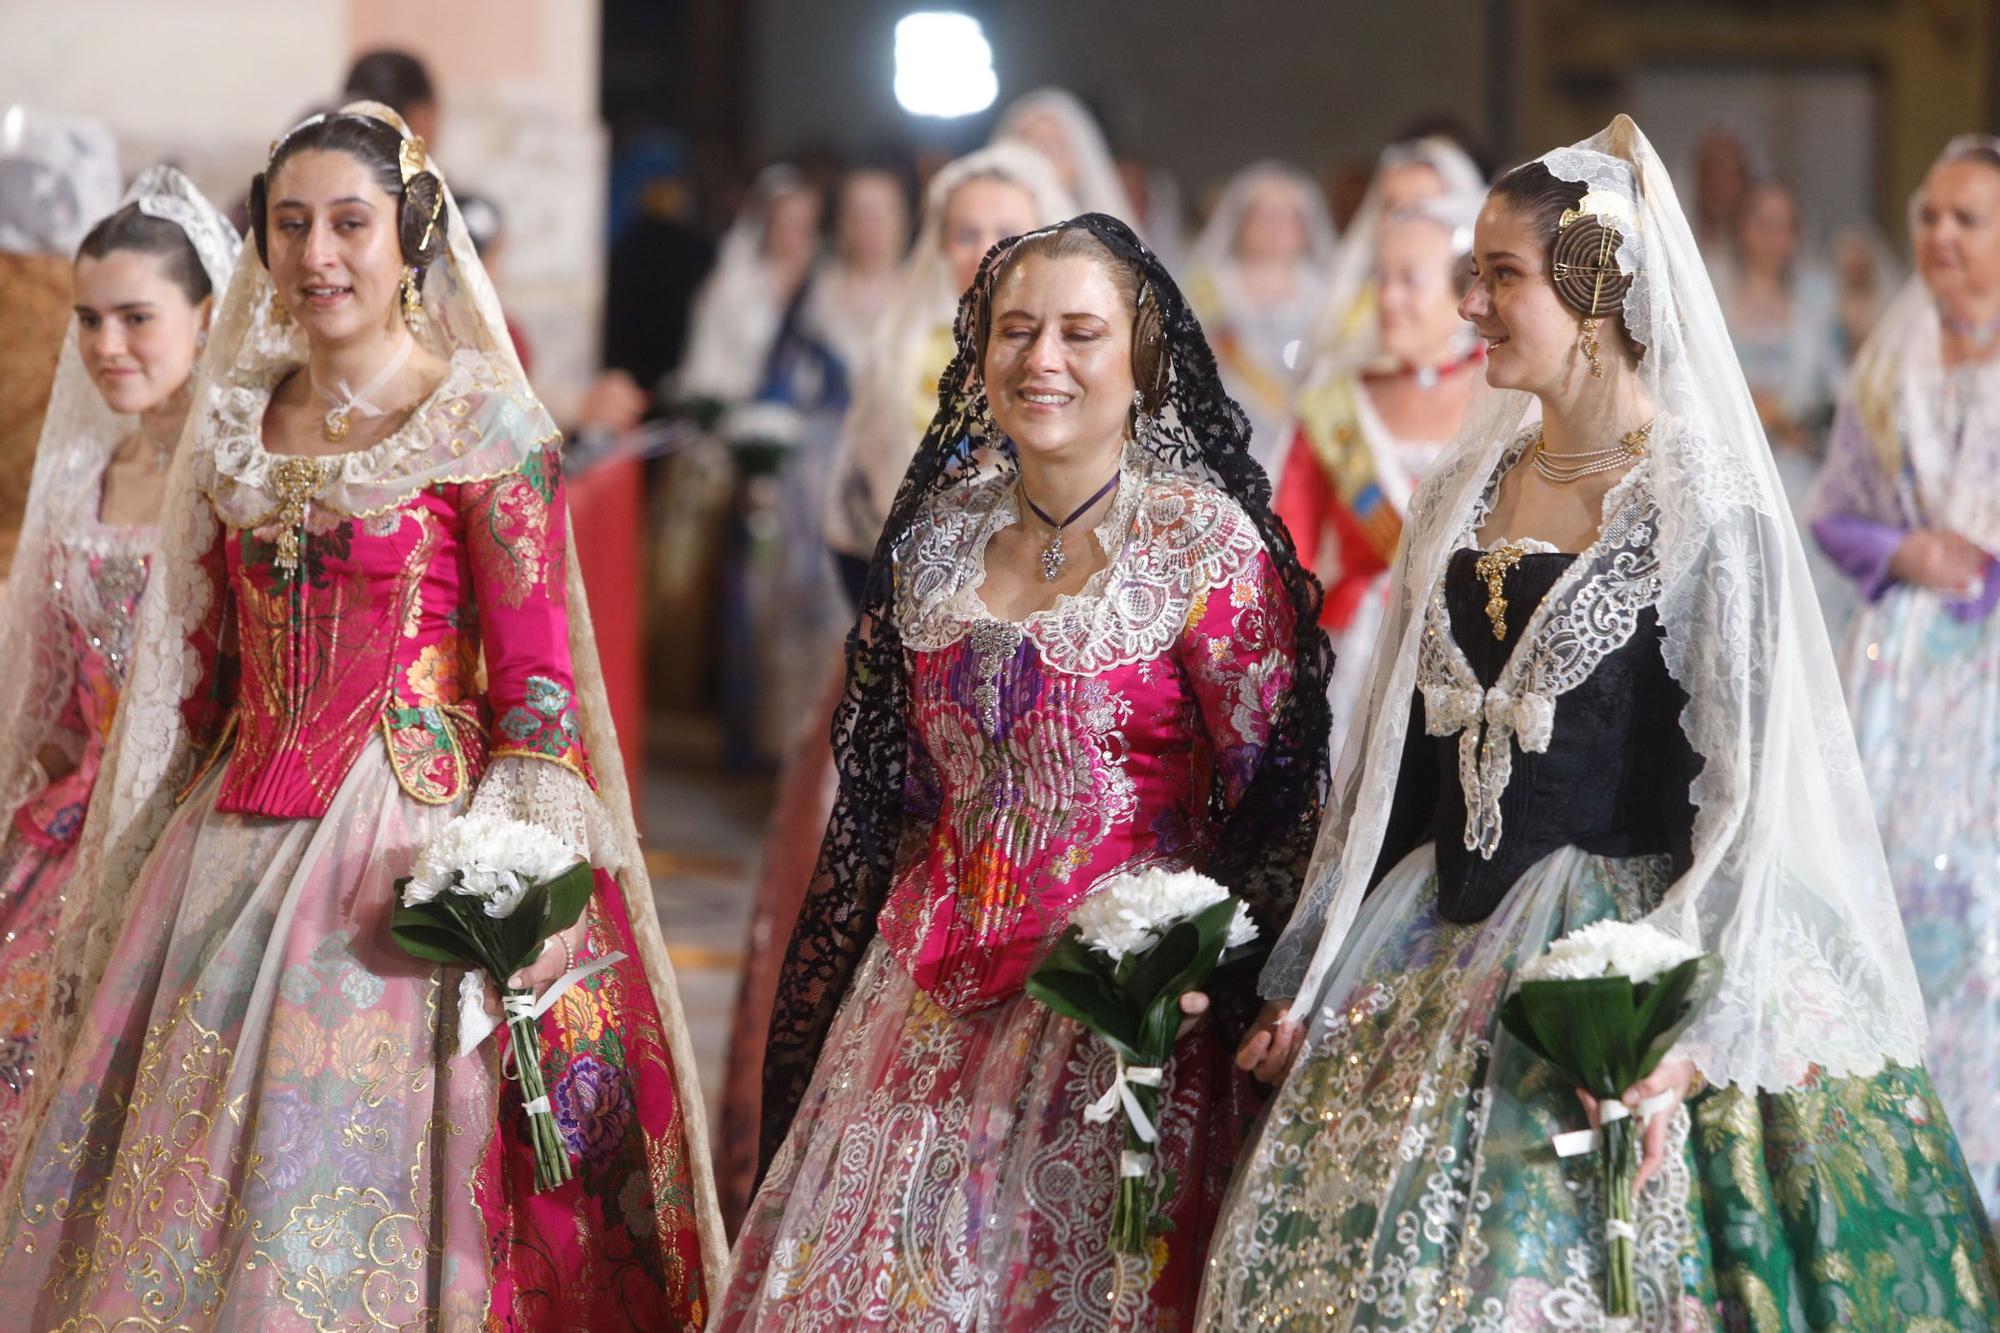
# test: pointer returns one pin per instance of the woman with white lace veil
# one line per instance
(1369, 424)
(145, 281)
(1908, 506)
(1406, 174)
(1055, 123)
(1257, 279)
(1649, 728)
(364, 563)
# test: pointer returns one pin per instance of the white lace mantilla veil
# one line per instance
(1343, 334)
(79, 435)
(1916, 474)
(1097, 187)
(1215, 249)
(1787, 882)
(150, 754)
(880, 434)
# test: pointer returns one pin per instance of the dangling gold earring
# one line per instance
(413, 303)
(275, 309)
(1590, 346)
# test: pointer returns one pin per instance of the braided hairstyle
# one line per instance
(1264, 842)
(1583, 247)
(378, 146)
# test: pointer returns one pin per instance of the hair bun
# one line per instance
(420, 220)
(1583, 263)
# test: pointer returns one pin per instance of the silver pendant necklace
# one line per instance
(1053, 555)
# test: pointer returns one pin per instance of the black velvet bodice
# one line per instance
(1613, 781)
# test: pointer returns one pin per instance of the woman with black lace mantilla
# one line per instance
(1607, 693)
(1099, 655)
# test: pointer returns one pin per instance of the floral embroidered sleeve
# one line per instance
(516, 529)
(1237, 652)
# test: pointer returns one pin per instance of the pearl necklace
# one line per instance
(1565, 468)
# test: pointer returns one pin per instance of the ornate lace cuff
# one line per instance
(548, 793)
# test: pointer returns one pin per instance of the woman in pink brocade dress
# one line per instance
(1034, 705)
(364, 620)
(146, 275)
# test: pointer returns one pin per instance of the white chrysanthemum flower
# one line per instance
(1128, 915)
(1610, 948)
(1242, 930)
(488, 857)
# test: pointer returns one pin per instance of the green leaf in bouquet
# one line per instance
(569, 894)
(432, 935)
(1092, 1002)
(1668, 1003)
(1167, 973)
(1582, 1027)
(521, 931)
(1074, 980)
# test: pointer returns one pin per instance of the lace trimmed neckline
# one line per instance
(241, 454)
(1108, 534)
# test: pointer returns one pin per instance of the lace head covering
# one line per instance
(1345, 333)
(1215, 249)
(1262, 843)
(58, 176)
(1787, 882)
(1092, 173)
(79, 435)
(151, 755)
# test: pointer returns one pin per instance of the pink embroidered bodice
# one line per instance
(1086, 739)
(96, 579)
(358, 593)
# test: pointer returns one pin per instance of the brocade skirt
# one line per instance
(1403, 1177)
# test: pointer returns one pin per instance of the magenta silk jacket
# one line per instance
(350, 601)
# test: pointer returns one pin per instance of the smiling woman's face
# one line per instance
(136, 329)
(336, 259)
(1531, 336)
(1058, 362)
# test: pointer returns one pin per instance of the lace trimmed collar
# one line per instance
(235, 426)
(1170, 536)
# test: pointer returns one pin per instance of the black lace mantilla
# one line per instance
(1263, 844)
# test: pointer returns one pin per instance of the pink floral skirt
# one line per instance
(267, 1125)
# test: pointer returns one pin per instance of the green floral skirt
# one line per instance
(1403, 1177)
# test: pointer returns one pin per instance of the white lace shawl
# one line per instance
(1787, 884)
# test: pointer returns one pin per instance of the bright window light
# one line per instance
(944, 66)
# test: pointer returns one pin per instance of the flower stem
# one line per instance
(552, 1164)
(1620, 1166)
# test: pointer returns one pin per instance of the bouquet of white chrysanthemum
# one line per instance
(487, 894)
(1604, 1005)
(1133, 948)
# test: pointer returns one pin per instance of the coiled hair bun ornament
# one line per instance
(1584, 264)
